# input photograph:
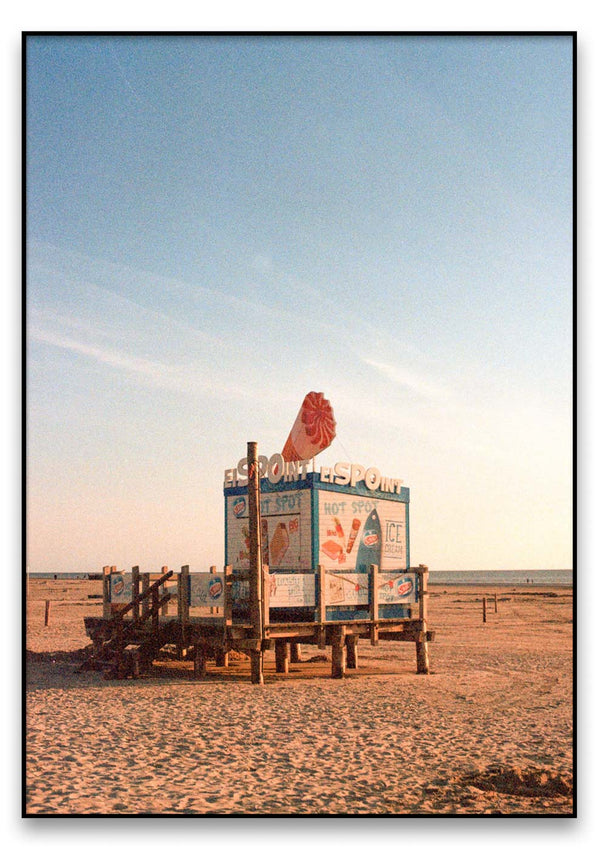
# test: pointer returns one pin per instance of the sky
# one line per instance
(217, 225)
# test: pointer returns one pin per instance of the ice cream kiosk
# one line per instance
(346, 518)
(312, 556)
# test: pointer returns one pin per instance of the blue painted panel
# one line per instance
(394, 611)
(346, 614)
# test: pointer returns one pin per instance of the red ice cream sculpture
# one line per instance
(313, 431)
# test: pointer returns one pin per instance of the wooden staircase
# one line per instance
(131, 647)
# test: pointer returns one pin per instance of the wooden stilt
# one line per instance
(484, 609)
(199, 661)
(338, 653)
(295, 653)
(47, 613)
(221, 657)
(422, 654)
(352, 651)
(282, 656)
(256, 667)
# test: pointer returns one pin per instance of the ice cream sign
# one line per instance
(276, 469)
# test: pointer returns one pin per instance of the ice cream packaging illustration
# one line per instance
(313, 431)
(369, 550)
(279, 544)
(353, 534)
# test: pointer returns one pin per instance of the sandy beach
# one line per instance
(488, 731)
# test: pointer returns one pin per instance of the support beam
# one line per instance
(352, 651)
(199, 661)
(257, 667)
(282, 656)
(338, 652)
(422, 654)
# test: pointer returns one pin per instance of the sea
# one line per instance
(504, 577)
(484, 577)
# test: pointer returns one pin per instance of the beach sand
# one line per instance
(488, 731)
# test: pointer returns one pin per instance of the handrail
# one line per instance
(119, 614)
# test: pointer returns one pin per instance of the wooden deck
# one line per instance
(128, 637)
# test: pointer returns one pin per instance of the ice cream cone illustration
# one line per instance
(313, 431)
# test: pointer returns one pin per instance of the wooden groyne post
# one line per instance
(421, 643)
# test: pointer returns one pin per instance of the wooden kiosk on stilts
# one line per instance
(316, 558)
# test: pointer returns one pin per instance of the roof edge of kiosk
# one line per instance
(313, 481)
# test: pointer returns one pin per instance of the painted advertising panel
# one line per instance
(397, 589)
(120, 588)
(292, 590)
(207, 590)
(285, 530)
(343, 588)
(355, 531)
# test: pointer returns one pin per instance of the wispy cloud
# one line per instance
(156, 371)
(410, 380)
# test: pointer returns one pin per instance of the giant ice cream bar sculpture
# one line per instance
(313, 431)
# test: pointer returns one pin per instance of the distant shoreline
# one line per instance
(468, 578)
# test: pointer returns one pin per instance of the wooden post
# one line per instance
(296, 652)
(146, 599)
(47, 613)
(282, 656)
(256, 667)
(374, 602)
(338, 652)
(106, 592)
(322, 605)
(155, 613)
(199, 661)
(213, 570)
(227, 609)
(352, 651)
(135, 592)
(484, 609)
(183, 609)
(421, 643)
(256, 572)
(495, 602)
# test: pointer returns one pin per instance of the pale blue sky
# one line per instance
(217, 226)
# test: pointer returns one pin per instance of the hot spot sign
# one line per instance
(276, 469)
